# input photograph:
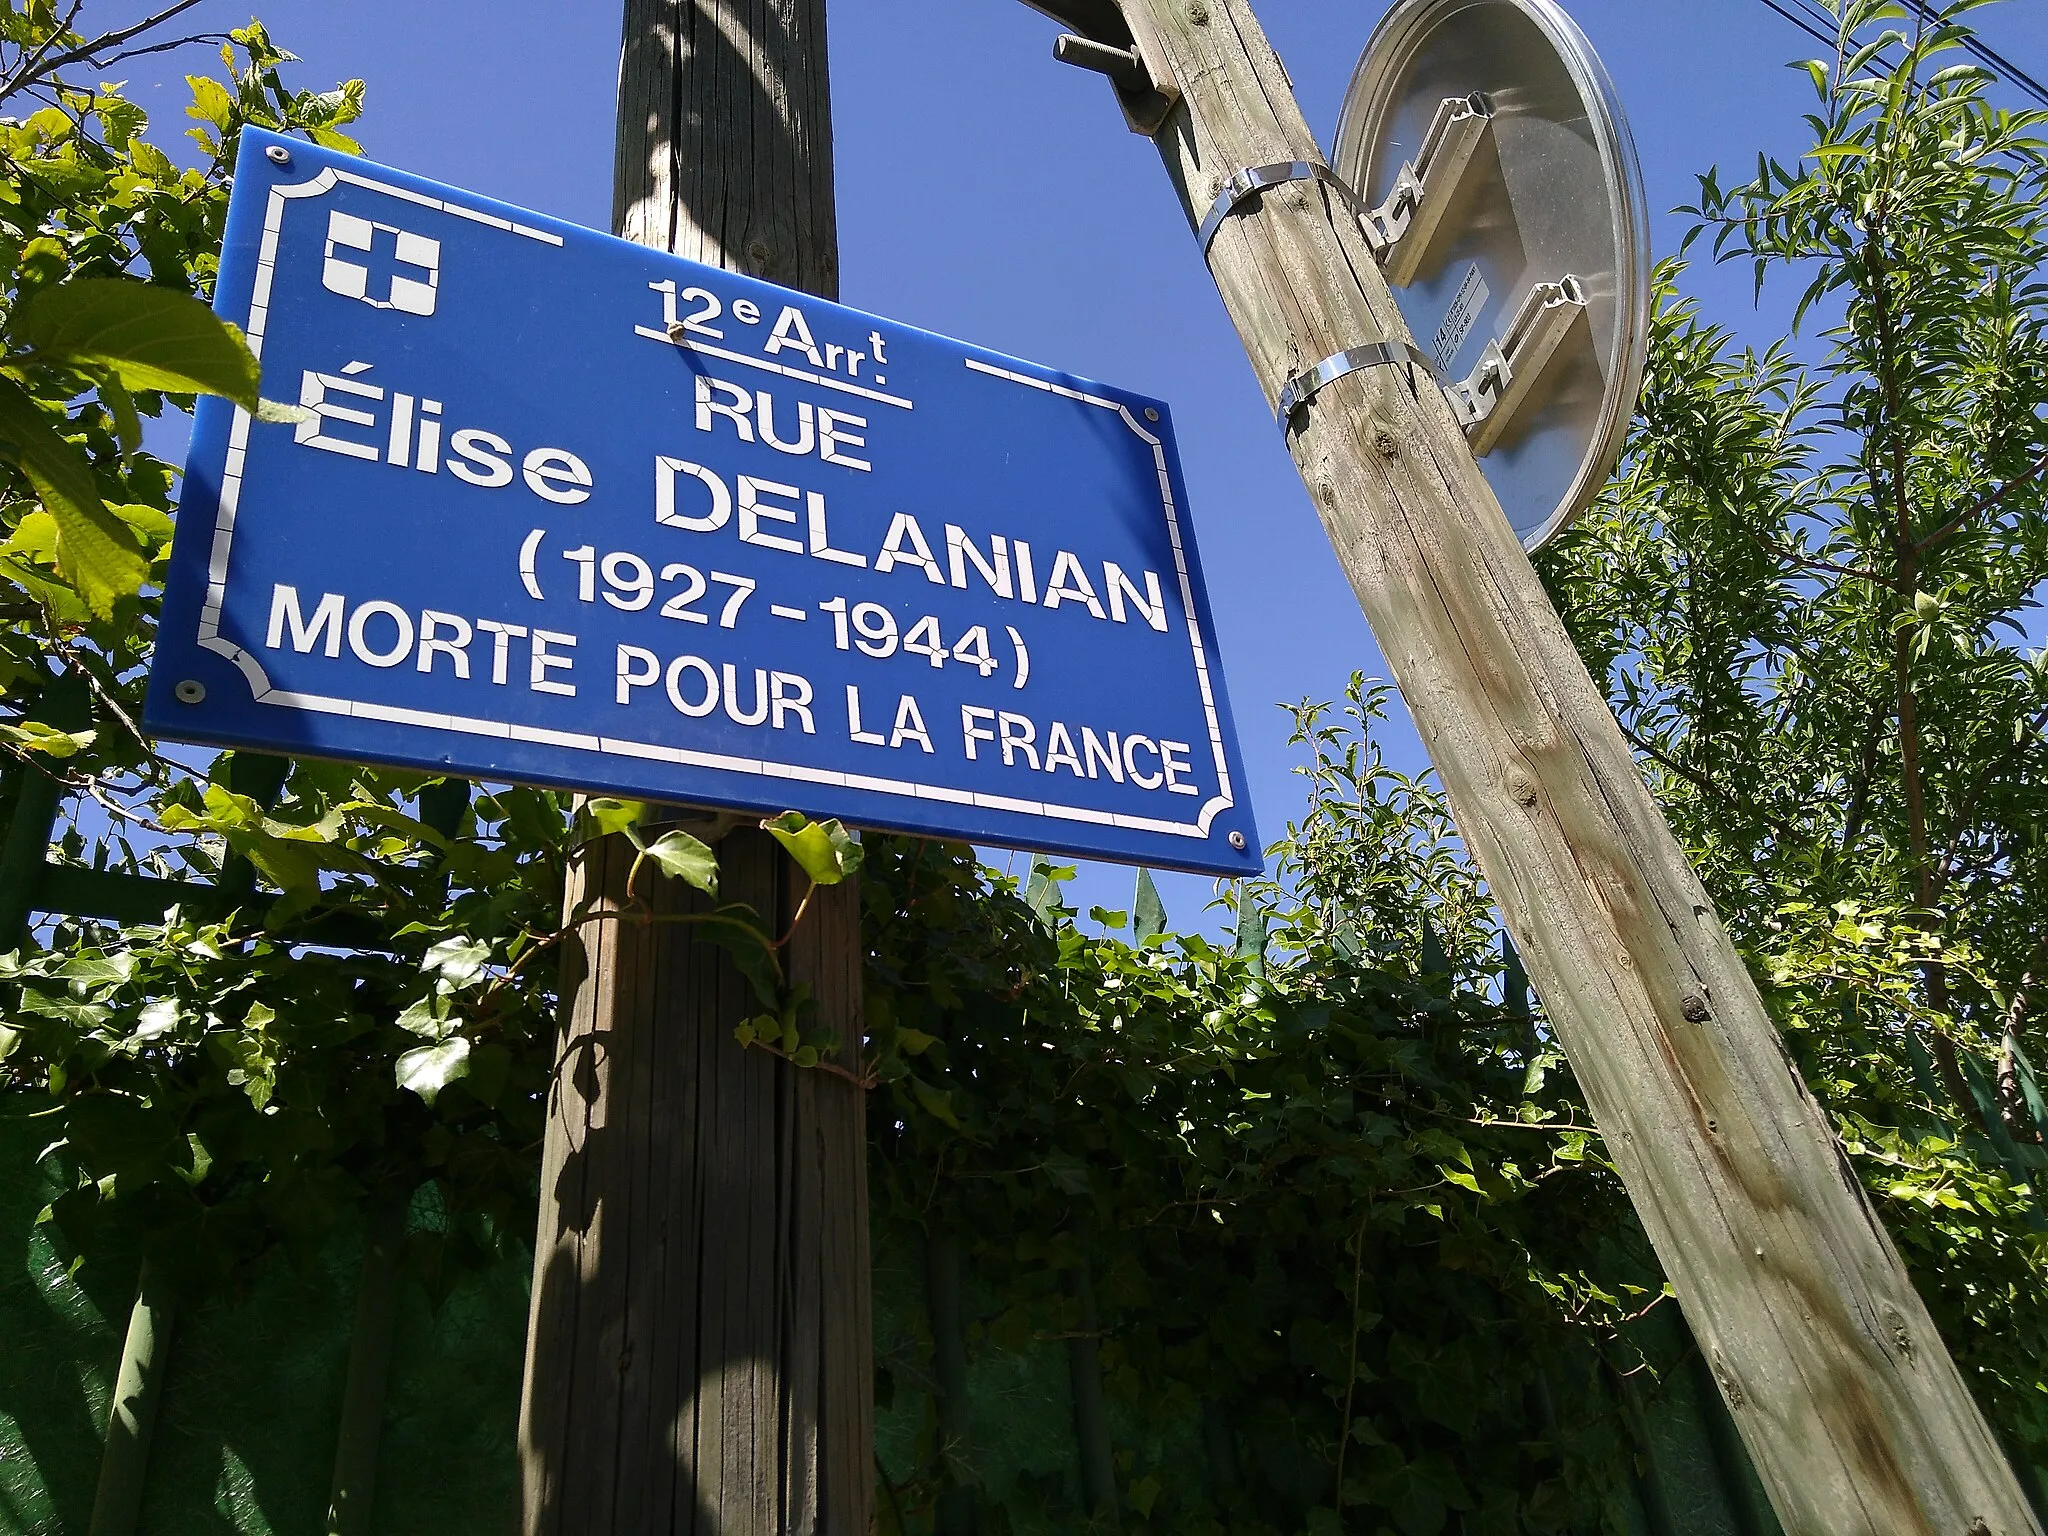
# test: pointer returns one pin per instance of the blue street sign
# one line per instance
(560, 509)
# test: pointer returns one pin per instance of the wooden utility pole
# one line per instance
(699, 1355)
(1854, 1413)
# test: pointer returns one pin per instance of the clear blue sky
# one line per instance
(991, 194)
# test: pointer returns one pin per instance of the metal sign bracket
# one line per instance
(1305, 386)
(1405, 226)
(1255, 179)
(1488, 400)
(1122, 47)
(1494, 393)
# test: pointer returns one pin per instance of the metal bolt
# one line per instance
(191, 691)
(1151, 414)
(1237, 841)
(277, 154)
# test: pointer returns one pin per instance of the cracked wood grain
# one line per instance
(1851, 1407)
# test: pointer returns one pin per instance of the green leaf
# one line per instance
(121, 406)
(149, 524)
(1460, 1178)
(1143, 1494)
(211, 102)
(34, 736)
(687, 859)
(427, 1018)
(96, 552)
(99, 970)
(825, 850)
(201, 1165)
(936, 1104)
(751, 954)
(458, 962)
(2030, 1087)
(147, 336)
(1148, 911)
(1992, 1118)
(35, 536)
(250, 1052)
(329, 138)
(1252, 926)
(156, 1020)
(1042, 893)
(1068, 1172)
(610, 816)
(431, 1068)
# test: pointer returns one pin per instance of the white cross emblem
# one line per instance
(400, 271)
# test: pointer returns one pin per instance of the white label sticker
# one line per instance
(1464, 314)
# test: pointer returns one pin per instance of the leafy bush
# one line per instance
(227, 1080)
(1333, 1212)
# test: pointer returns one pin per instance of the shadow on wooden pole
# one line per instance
(699, 1354)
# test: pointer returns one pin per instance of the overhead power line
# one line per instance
(1801, 21)
(1817, 24)
(1989, 56)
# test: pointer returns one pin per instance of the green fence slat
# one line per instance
(73, 891)
(21, 857)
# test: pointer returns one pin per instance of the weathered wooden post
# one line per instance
(1854, 1413)
(699, 1354)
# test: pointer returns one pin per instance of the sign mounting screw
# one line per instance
(1236, 838)
(1151, 414)
(278, 155)
(191, 691)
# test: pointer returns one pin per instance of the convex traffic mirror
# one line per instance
(1509, 210)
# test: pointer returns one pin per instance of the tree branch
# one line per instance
(1946, 870)
(22, 75)
(1859, 802)
(42, 64)
(1791, 557)
(170, 47)
(1664, 760)
(1985, 503)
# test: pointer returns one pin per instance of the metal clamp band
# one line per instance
(1259, 178)
(1304, 387)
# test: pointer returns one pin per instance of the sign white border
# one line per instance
(264, 692)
